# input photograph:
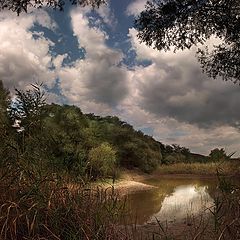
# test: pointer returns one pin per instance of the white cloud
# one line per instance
(179, 103)
(136, 7)
(105, 12)
(58, 60)
(98, 78)
(173, 85)
(23, 58)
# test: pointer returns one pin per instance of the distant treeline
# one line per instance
(62, 138)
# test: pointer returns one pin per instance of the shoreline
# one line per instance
(132, 181)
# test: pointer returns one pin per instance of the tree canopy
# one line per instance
(39, 137)
(181, 24)
(19, 6)
(217, 154)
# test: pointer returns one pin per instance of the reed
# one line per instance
(226, 168)
(55, 208)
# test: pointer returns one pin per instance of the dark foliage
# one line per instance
(4, 102)
(185, 23)
(27, 108)
(61, 138)
(39, 136)
(134, 148)
(19, 6)
(5, 126)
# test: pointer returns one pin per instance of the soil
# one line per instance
(131, 180)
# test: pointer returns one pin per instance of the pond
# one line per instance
(171, 200)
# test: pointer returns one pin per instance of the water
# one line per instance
(172, 200)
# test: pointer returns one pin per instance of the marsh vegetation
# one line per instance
(50, 155)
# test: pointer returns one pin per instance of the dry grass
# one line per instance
(225, 168)
(49, 209)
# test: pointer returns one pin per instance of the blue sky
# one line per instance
(94, 60)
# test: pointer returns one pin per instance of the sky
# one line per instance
(94, 60)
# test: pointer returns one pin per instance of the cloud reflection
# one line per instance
(185, 200)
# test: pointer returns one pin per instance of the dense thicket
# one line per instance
(19, 6)
(62, 138)
(43, 163)
(38, 137)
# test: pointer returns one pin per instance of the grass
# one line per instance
(53, 209)
(225, 168)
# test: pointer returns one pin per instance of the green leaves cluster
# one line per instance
(102, 160)
(20, 6)
(52, 138)
(134, 149)
(4, 102)
(182, 24)
(37, 138)
(5, 125)
(218, 154)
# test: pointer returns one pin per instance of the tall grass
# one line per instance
(225, 168)
(36, 203)
(56, 208)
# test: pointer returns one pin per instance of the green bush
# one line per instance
(174, 158)
(218, 155)
(169, 160)
(102, 160)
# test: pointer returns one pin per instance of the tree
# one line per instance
(181, 24)
(68, 143)
(4, 103)
(27, 108)
(218, 154)
(102, 160)
(19, 6)
(5, 125)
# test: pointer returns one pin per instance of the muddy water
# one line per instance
(172, 200)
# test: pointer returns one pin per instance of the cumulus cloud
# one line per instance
(173, 85)
(25, 58)
(107, 15)
(99, 77)
(136, 7)
(199, 140)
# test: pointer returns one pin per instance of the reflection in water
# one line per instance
(173, 199)
(185, 200)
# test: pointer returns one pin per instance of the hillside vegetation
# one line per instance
(61, 138)
(50, 153)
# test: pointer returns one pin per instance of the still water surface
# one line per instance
(172, 200)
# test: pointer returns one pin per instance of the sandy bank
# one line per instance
(129, 182)
(128, 186)
(132, 180)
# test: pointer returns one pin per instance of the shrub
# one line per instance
(102, 160)
(218, 155)
(174, 158)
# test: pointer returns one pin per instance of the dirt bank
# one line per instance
(128, 186)
(132, 180)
